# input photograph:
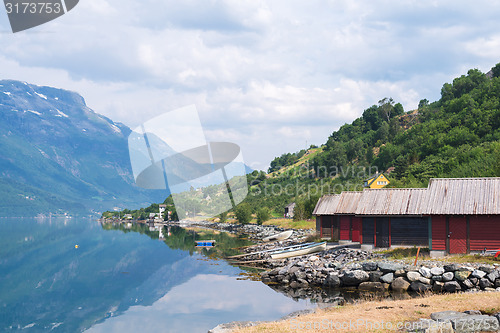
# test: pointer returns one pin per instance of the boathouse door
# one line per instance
(382, 232)
(457, 234)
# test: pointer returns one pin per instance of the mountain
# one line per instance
(58, 155)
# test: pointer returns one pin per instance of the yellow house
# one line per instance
(377, 181)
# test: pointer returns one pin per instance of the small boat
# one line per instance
(205, 243)
(279, 237)
(299, 251)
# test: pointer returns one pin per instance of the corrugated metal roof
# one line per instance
(392, 201)
(444, 196)
(463, 196)
(326, 205)
(348, 202)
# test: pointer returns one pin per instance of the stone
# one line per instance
(371, 286)
(448, 276)
(497, 283)
(410, 268)
(478, 274)
(424, 280)
(466, 268)
(461, 275)
(387, 278)
(468, 284)
(438, 286)
(293, 270)
(473, 312)
(487, 269)
(485, 283)
(369, 266)
(313, 258)
(451, 267)
(400, 273)
(447, 315)
(389, 267)
(474, 280)
(295, 285)
(452, 286)
(425, 272)
(419, 287)
(437, 278)
(413, 276)
(353, 278)
(490, 289)
(332, 281)
(300, 275)
(493, 276)
(400, 284)
(475, 323)
(437, 271)
(375, 276)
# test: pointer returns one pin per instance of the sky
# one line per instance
(272, 76)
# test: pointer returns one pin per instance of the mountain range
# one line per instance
(57, 155)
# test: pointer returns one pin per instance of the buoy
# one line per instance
(76, 246)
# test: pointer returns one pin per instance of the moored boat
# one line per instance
(279, 237)
(205, 243)
(299, 251)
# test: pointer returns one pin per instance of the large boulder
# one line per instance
(438, 287)
(389, 267)
(400, 284)
(478, 274)
(493, 275)
(332, 281)
(420, 287)
(413, 276)
(462, 275)
(369, 266)
(371, 286)
(375, 276)
(451, 267)
(485, 283)
(448, 276)
(452, 286)
(354, 278)
(437, 271)
(475, 323)
(425, 272)
(387, 278)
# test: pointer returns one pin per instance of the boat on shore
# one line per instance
(278, 237)
(299, 250)
(205, 243)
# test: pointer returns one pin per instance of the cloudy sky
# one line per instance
(268, 75)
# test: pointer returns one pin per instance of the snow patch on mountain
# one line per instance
(41, 95)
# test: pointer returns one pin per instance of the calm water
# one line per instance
(121, 280)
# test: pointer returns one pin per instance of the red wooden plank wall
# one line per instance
(356, 229)
(458, 234)
(345, 225)
(484, 232)
(439, 233)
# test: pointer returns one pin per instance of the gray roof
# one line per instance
(326, 205)
(444, 196)
(463, 196)
(393, 201)
(348, 202)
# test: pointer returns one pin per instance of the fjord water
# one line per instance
(117, 280)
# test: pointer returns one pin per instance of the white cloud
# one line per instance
(255, 68)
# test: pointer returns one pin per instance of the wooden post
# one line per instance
(416, 258)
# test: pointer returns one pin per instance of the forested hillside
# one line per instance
(456, 136)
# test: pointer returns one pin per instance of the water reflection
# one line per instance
(48, 284)
(201, 303)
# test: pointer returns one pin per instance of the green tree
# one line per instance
(263, 215)
(243, 213)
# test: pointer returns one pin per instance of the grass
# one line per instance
(369, 316)
(291, 224)
(410, 253)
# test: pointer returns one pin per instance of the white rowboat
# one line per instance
(279, 237)
(299, 251)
